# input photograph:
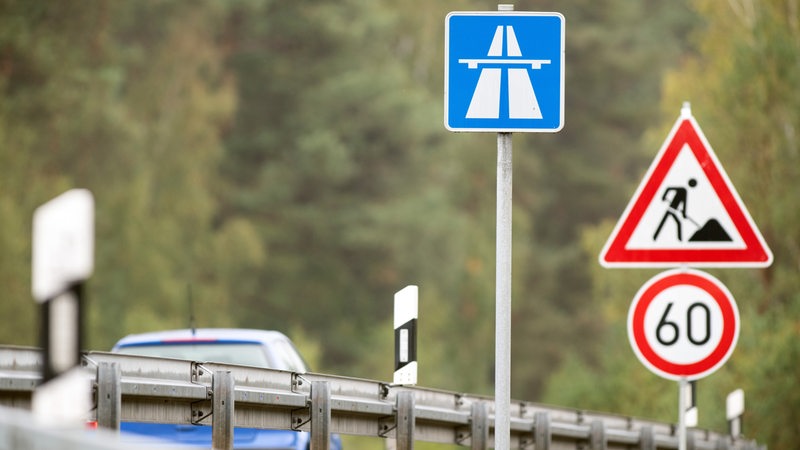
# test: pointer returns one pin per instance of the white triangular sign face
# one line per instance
(686, 212)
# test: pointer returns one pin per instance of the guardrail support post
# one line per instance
(690, 440)
(542, 435)
(222, 417)
(109, 396)
(723, 443)
(597, 435)
(479, 426)
(405, 420)
(320, 415)
(647, 440)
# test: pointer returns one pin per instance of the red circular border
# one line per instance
(729, 321)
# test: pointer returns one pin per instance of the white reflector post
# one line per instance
(63, 243)
(691, 417)
(690, 391)
(734, 409)
(734, 404)
(64, 401)
(62, 259)
(406, 311)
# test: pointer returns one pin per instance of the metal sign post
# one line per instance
(502, 382)
(504, 73)
(502, 341)
(683, 383)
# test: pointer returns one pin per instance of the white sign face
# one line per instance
(683, 324)
(63, 243)
(686, 213)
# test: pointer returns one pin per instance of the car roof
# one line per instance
(219, 334)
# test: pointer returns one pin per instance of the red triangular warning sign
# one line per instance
(686, 212)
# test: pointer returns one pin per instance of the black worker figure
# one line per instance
(676, 209)
(711, 231)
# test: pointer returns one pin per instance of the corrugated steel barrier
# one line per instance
(147, 389)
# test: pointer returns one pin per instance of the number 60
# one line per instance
(675, 330)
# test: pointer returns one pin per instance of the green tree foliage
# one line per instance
(573, 179)
(341, 160)
(284, 165)
(741, 80)
(380, 196)
(751, 71)
(320, 159)
(43, 82)
(95, 96)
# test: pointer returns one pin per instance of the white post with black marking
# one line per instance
(406, 311)
(734, 410)
(691, 404)
(63, 258)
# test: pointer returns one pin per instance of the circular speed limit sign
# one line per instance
(683, 324)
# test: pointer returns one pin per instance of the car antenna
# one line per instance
(191, 308)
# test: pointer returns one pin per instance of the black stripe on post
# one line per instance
(405, 344)
(61, 332)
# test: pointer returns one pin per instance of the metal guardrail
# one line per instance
(19, 430)
(147, 389)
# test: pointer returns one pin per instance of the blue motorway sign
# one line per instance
(504, 71)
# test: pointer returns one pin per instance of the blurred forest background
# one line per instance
(286, 163)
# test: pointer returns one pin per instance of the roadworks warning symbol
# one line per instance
(686, 212)
(675, 207)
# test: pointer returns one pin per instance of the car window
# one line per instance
(287, 357)
(246, 354)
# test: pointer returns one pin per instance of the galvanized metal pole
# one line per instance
(320, 415)
(597, 435)
(647, 439)
(109, 395)
(479, 426)
(542, 432)
(406, 420)
(683, 384)
(502, 381)
(222, 404)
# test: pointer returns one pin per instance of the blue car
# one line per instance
(257, 348)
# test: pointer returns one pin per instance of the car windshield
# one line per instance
(241, 353)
